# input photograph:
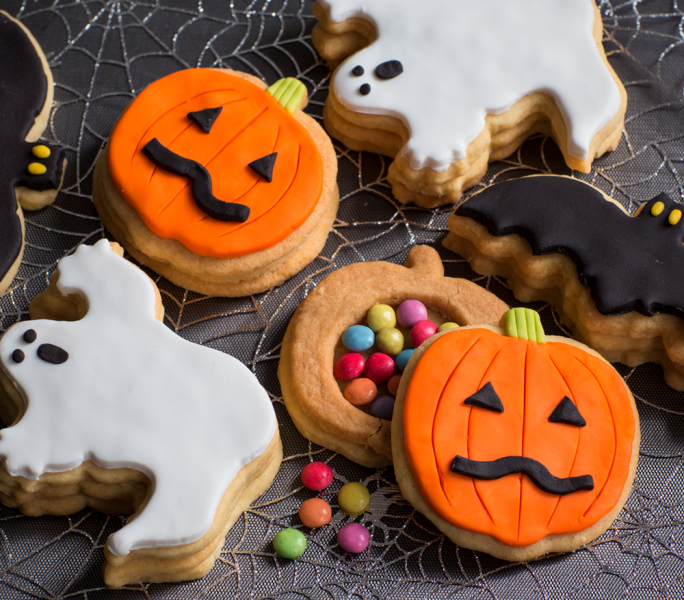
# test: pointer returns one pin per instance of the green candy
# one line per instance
(381, 316)
(447, 326)
(289, 543)
(390, 341)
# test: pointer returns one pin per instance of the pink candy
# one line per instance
(349, 366)
(353, 538)
(410, 312)
(317, 476)
(421, 331)
(379, 368)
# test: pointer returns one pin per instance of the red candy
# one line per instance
(421, 331)
(393, 384)
(317, 476)
(349, 366)
(379, 368)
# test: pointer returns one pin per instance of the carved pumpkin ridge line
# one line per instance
(439, 402)
(273, 206)
(615, 437)
(187, 183)
(484, 376)
(162, 115)
(579, 433)
(522, 448)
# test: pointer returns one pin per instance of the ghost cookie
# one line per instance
(615, 280)
(315, 397)
(514, 443)
(223, 187)
(30, 172)
(446, 86)
(110, 409)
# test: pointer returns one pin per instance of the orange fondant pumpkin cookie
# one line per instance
(514, 443)
(340, 399)
(222, 186)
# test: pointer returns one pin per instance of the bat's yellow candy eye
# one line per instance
(36, 169)
(41, 151)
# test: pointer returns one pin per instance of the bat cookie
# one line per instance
(221, 186)
(447, 86)
(111, 409)
(30, 172)
(514, 443)
(615, 280)
(316, 392)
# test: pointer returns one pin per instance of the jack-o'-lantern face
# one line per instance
(213, 161)
(517, 439)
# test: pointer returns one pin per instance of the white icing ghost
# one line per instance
(464, 59)
(133, 394)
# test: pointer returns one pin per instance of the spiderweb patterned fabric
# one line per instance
(102, 53)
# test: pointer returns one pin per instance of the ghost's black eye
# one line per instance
(486, 398)
(264, 166)
(566, 412)
(357, 71)
(30, 336)
(389, 69)
(205, 118)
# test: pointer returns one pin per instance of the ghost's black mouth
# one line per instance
(536, 471)
(174, 163)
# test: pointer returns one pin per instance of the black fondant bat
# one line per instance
(628, 263)
(23, 91)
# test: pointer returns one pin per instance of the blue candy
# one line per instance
(401, 360)
(382, 407)
(358, 338)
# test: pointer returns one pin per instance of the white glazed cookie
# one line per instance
(448, 85)
(117, 412)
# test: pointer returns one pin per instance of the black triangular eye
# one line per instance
(205, 118)
(487, 398)
(264, 166)
(566, 412)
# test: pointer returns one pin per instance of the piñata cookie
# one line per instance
(221, 186)
(447, 86)
(353, 296)
(111, 409)
(514, 443)
(30, 171)
(615, 280)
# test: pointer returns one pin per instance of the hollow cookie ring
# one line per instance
(514, 443)
(310, 391)
(221, 186)
(447, 86)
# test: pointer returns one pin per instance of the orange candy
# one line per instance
(315, 513)
(361, 391)
(393, 384)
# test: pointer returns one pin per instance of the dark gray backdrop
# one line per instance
(102, 53)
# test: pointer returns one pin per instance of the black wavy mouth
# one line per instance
(536, 471)
(174, 163)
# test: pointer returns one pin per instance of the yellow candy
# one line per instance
(381, 316)
(390, 341)
(41, 151)
(675, 216)
(657, 209)
(447, 326)
(353, 498)
(36, 168)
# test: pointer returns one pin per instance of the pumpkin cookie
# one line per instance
(30, 172)
(314, 397)
(447, 86)
(219, 185)
(513, 443)
(615, 280)
(112, 410)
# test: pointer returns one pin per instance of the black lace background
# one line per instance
(102, 53)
